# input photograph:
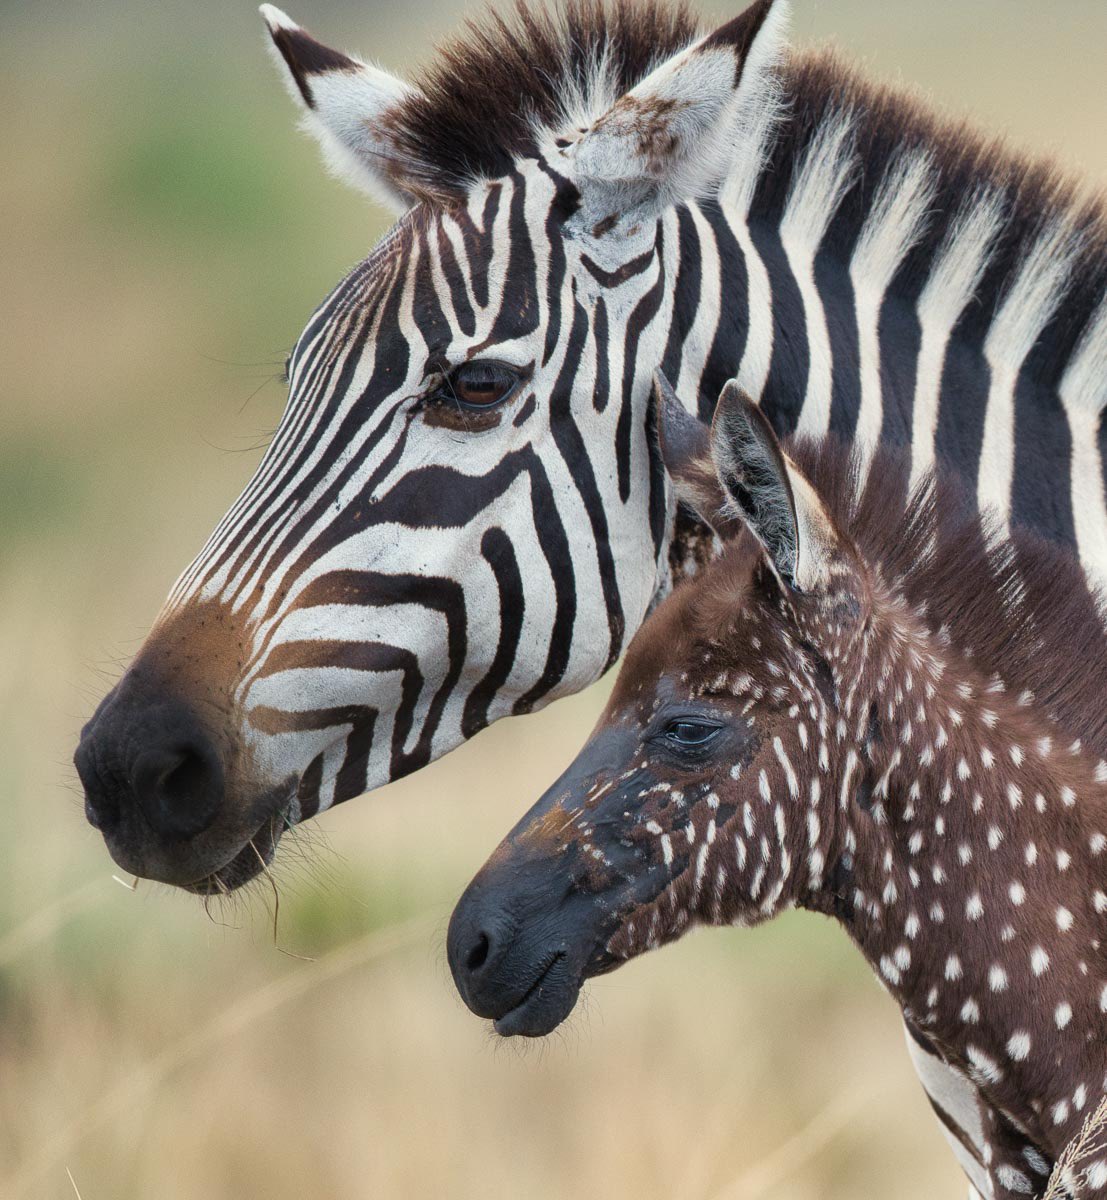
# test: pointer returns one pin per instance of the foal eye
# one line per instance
(481, 383)
(690, 734)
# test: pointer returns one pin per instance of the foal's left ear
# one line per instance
(671, 137)
(768, 493)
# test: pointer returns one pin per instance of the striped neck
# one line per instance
(870, 271)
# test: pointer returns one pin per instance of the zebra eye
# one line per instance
(482, 383)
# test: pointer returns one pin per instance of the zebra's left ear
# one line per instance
(769, 494)
(670, 138)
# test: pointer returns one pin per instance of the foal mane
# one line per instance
(1018, 605)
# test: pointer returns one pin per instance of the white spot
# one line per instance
(1062, 1014)
(1031, 854)
(1035, 1161)
(1017, 893)
(1014, 795)
(964, 853)
(1060, 1112)
(666, 849)
(1039, 961)
(911, 926)
(1097, 843)
(953, 967)
(1064, 919)
(997, 978)
(1063, 860)
(1014, 1180)
(1068, 796)
(785, 762)
(1018, 1046)
(902, 958)
(970, 1011)
(995, 836)
(1096, 1174)
(1099, 899)
(985, 1067)
(937, 913)
(974, 907)
(1080, 1097)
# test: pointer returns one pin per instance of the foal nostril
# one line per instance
(477, 957)
(179, 787)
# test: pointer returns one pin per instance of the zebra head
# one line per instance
(462, 514)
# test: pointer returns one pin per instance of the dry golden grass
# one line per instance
(163, 234)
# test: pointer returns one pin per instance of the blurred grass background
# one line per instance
(164, 233)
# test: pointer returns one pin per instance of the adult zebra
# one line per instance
(462, 514)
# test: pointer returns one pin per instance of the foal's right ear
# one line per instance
(768, 493)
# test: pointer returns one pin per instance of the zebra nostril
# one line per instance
(478, 956)
(179, 787)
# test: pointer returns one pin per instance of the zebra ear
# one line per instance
(672, 136)
(345, 103)
(768, 493)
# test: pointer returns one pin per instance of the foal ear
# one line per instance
(685, 444)
(671, 137)
(770, 495)
(346, 104)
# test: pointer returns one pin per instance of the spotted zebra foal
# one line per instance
(873, 707)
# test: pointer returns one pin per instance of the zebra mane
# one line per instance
(1019, 605)
(892, 163)
(480, 104)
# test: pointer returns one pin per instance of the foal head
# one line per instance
(705, 792)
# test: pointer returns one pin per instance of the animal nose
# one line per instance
(151, 760)
(475, 946)
(179, 786)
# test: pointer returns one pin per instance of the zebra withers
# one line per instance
(870, 707)
(462, 514)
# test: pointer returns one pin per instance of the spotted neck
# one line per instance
(967, 860)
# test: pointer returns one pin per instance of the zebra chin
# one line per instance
(214, 863)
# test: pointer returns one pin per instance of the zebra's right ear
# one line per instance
(672, 137)
(346, 104)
